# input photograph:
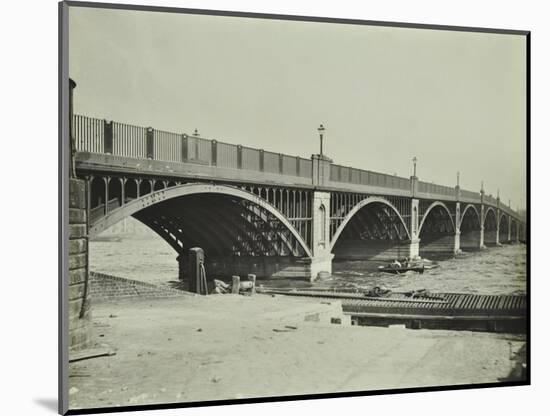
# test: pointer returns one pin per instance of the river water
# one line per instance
(497, 270)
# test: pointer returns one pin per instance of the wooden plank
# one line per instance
(90, 353)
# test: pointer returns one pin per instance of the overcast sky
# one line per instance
(454, 100)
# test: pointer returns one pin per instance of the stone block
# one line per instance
(77, 230)
(76, 291)
(77, 193)
(77, 261)
(77, 216)
(75, 307)
(77, 276)
(77, 246)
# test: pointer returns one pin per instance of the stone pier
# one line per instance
(78, 281)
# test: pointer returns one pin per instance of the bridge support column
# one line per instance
(321, 261)
(78, 291)
(414, 248)
(498, 228)
(457, 229)
(457, 249)
(482, 228)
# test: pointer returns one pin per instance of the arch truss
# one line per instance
(369, 217)
(227, 219)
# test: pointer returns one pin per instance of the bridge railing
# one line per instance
(128, 140)
(431, 188)
(345, 174)
(88, 133)
(469, 196)
(488, 199)
(119, 139)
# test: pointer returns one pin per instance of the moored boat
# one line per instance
(396, 269)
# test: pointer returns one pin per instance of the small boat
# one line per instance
(396, 269)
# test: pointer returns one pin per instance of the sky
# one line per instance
(455, 100)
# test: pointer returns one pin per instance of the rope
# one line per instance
(203, 286)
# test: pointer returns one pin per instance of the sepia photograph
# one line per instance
(267, 207)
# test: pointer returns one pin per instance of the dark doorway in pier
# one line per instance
(437, 233)
(375, 233)
(490, 228)
(470, 229)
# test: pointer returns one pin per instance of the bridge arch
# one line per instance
(357, 208)
(505, 216)
(136, 205)
(490, 227)
(503, 227)
(429, 209)
(470, 228)
(465, 211)
(493, 214)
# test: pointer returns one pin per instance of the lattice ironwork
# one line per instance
(342, 203)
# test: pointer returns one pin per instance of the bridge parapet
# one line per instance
(432, 191)
(470, 197)
(344, 174)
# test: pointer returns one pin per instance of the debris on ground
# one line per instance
(90, 353)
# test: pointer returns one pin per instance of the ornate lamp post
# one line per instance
(321, 130)
(457, 178)
(414, 165)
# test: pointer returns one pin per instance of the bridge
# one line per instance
(255, 211)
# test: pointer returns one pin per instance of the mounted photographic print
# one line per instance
(264, 207)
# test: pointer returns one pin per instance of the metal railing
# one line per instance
(431, 188)
(346, 174)
(119, 139)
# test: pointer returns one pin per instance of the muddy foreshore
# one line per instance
(196, 348)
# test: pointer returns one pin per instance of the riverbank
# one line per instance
(226, 347)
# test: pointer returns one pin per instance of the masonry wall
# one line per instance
(79, 296)
(105, 287)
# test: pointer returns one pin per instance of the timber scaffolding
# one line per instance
(457, 311)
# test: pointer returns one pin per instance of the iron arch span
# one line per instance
(436, 231)
(374, 229)
(503, 228)
(470, 229)
(490, 227)
(431, 208)
(240, 232)
(469, 210)
(166, 194)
